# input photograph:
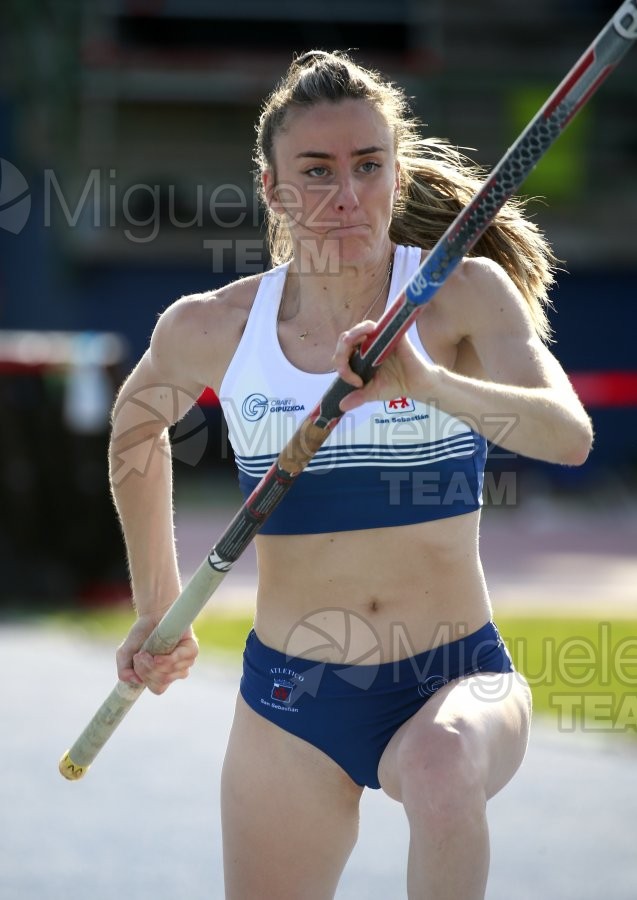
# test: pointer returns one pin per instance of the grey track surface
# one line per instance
(144, 822)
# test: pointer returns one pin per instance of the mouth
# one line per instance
(348, 230)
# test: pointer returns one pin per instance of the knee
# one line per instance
(441, 780)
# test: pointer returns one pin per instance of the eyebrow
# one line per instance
(318, 154)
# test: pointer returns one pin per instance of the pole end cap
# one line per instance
(70, 770)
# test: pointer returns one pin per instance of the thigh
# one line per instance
(479, 724)
(289, 814)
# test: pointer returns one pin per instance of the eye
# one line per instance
(316, 171)
(369, 166)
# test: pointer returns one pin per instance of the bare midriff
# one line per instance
(414, 587)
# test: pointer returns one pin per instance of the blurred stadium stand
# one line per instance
(131, 124)
(58, 535)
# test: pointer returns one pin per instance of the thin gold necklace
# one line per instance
(386, 280)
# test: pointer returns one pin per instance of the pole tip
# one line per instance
(70, 770)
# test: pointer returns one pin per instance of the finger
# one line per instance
(160, 685)
(125, 668)
(129, 675)
(156, 681)
(157, 672)
(165, 665)
(365, 394)
(187, 648)
(186, 652)
(350, 339)
(145, 664)
(347, 344)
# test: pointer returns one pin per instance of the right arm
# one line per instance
(159, 391)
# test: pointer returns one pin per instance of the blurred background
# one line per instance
(126, 136)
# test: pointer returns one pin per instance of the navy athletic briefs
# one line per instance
(350, 712)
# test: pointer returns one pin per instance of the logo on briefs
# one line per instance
(282, 690)
(399, 405)
(430, 685)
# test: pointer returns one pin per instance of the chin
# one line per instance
(357, 250)
(329, 253)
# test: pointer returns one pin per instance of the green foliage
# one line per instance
(562, 174)
(582, 671)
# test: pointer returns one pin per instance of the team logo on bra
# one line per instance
(399, 405)
(398, 411)
(255, 406)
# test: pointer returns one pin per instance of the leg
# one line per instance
(289, 814)
(443, 764)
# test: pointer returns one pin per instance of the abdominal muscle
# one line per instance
(371, 596)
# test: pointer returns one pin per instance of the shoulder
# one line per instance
(478, 304)
(483, 273)
(477, 272)
(199, 333)
(481, 293)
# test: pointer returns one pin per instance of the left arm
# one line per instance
(517, 378)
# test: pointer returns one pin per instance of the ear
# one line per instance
(269, 191)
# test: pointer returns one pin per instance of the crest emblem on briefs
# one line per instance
(282, 690)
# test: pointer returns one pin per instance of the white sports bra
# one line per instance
(388, 463)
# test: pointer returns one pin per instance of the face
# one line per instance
(334, 181)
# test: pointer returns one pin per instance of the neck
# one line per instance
(336, 301)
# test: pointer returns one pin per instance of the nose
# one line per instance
(346, 198)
